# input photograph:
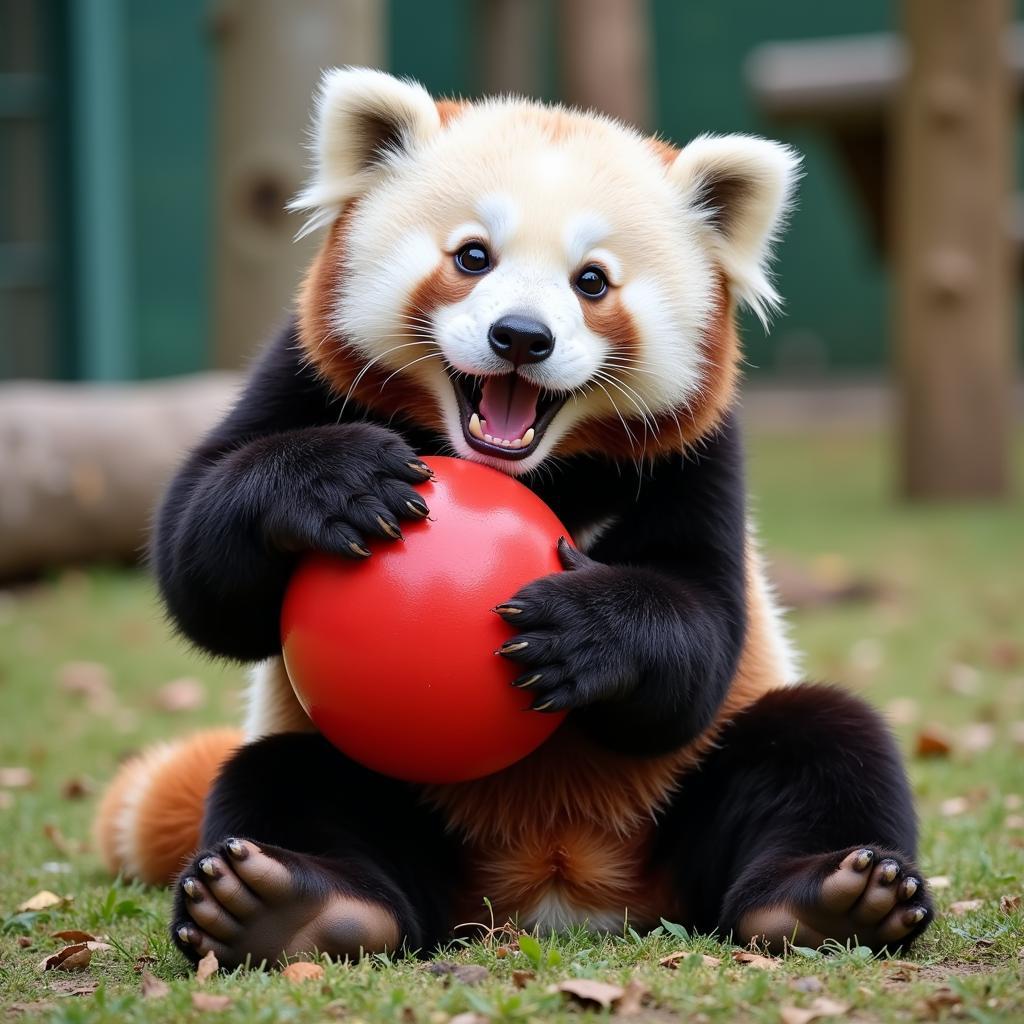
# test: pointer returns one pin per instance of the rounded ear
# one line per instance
(362, 117)
(741, 187)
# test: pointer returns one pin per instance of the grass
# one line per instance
(944, 640)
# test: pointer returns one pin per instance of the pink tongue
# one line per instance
(509, 405)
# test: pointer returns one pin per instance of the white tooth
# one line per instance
(487, 437)
(517, 443)
(506, 443)
(528, 436)
(474, 426)
(483, 424)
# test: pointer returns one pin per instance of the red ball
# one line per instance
(393, 658)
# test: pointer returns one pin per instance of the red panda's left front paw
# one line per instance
(573, 644)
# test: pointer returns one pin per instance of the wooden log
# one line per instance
(950, 208)
(82, 466)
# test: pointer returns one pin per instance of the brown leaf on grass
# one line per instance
(76, 788)
(74, 935)
(1005, 654)
(75, 957)
(77, 986)
(24, 942)
(302, 971)
(1010, 904)
(61, 843)
(954, 806)
(935, 1005)
(762, 963)
(588, 992)
(206, 1002)
(900, 970)
(43, 900)
(933, 741)
(808, 983)
(89, 680)
(207, 968)
(939, 882)
(673, 960)
(470, 974)
(977, 737)
(522, 978)
(632, 1000)
(469, 1017)
(903, 711)
(153, 987)
(962, 907)
(181, 695)
(964, 680)
(15, 777)
(821, 1007)
(501, 952)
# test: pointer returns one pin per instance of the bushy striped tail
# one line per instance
(149, 819)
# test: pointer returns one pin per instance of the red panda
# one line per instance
(553, 294)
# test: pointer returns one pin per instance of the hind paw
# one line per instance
(867, 896)
(256, 904)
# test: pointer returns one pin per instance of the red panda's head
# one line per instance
(528, 279)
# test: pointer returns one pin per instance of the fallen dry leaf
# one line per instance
(1010, 904)
(954, 806)
(933, 741)
(302, 971)
(76, 788)
(16, 778)
(903, 711)
(821, 1007)
(205, 1002)
(61, 843)
(470, 974)
(522, 978)
(74, 935)
(43, 900)
(964, 680)
(89, 680)
(1006, 654)
(673, 960)
(469, 1018)
(76, 986)
(976, 737)
(809, 983)
(181, 695)
(763, 963)
(24, 942)
(207, 968)
(632, 1000)
(1014, 822)
(588, 992)
(75, 957)
(939, 882)
(962, 907)
(936, 1003)
(153, 987)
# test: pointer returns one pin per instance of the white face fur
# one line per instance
(539, 196)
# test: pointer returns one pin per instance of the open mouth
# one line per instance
(504, 416)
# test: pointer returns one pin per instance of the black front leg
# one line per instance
(644, 660)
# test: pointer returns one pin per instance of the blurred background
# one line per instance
(148, 150)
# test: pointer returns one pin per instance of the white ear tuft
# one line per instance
(741, 186)
(362, 118)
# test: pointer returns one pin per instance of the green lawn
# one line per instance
(942, 644)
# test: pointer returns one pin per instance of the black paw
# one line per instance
(573, 645)
(343, 485)
(864, 895)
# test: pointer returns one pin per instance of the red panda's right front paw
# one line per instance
(343, 490)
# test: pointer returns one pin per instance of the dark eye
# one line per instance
(473, 258)
(592, 282)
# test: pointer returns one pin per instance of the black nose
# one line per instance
(521, 340)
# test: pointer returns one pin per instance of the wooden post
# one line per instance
(949, 219)
(605, 57)
(269, 59)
